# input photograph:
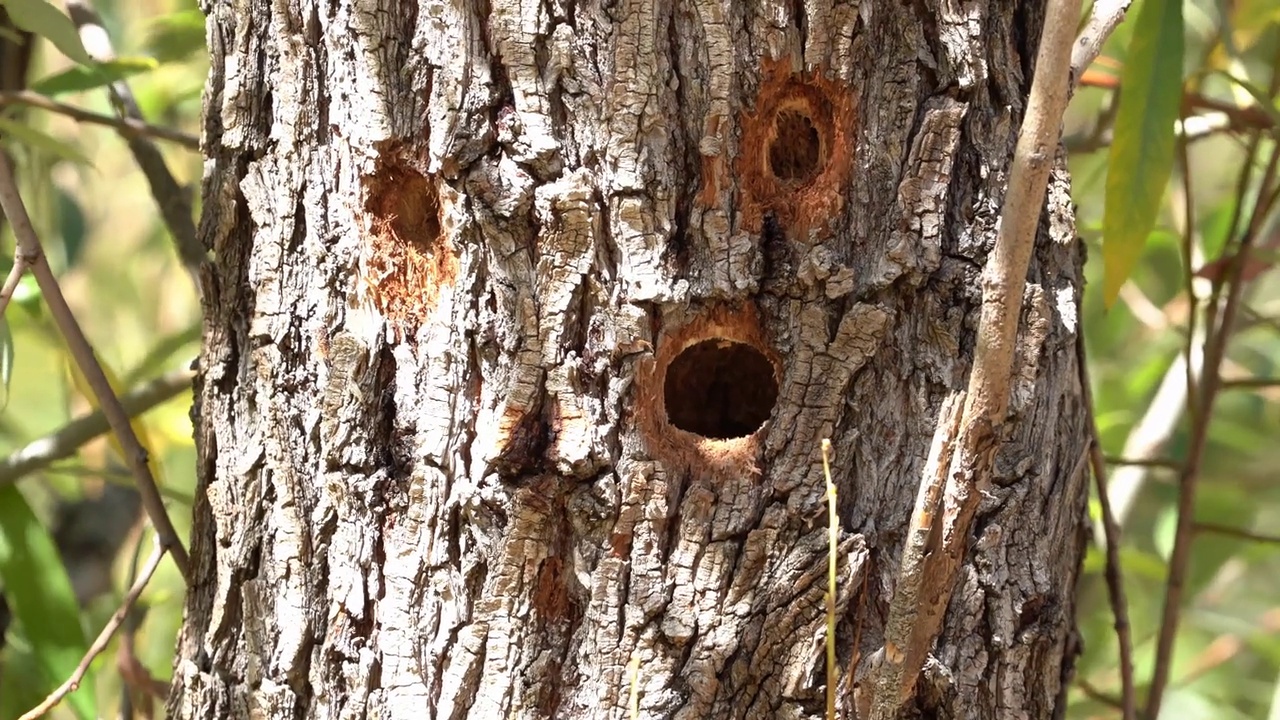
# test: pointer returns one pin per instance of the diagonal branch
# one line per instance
(1104, 18)
(104, 637)
(33, 254)
(1111, 538)
(71, 437)
(11, 282)
(174, 202)
(987, 398)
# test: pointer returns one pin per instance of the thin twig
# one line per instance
(1104, 18)
(833, 541)
(174, 202)
(1111, 532)
(1210, 383)
(1238, 116)
(1250, 383)
(29, 246)
(64, 442)
(104, 637)
(1237, 533)
(127, 126)
(1097, 695)
(11, 282)
(135, 676)
(986, 403)
(1189, 253)
(905, 644)
(1166, 463)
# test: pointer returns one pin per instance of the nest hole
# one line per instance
(720, 389)
(795, 153)
(410, 258)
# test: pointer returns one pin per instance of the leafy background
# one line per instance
(1163, 201)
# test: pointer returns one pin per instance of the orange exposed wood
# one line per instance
(797, 149)
(410, 258)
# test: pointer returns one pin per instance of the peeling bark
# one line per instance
(499, 294)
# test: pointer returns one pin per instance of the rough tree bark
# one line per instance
(526, 322)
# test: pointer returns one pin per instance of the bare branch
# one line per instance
(1166, 463)
(174, 202)
(1254, 383)
(1104, 18)
(11, 282)
(1238, 533)
(71, 437)
(1210, 384)
(987, 399)
(1111, 533)
(129, 127)
(104, 637)
(29, 247)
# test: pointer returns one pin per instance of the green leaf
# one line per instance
(6, 361)
(89, 77)
(22, 681)
(1141, 157)
(41, 597)
(177, 36)
(28, 135)
(43, 19)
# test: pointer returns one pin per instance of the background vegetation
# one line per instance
(1192, 456)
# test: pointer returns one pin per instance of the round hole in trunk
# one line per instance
(720, 389)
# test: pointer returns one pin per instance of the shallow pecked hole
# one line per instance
(795, 154)
(720, 389)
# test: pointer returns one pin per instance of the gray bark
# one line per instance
(526, 322)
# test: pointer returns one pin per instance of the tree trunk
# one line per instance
(526, 323)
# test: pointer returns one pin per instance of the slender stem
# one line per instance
(833, 540)
(1188, 276)
(1250, 383)
(174, 202)
(1210, 383)
(1004, 281)
(104, 637)
(1165, 463)
(1104, 17)
(80, 349)
(11, 282)
(1111, 532)
(1097, 695)
(64, 442)
(129, 127)
(1237, 116)
(1238, 533)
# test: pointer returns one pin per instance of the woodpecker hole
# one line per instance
(796, 157)
(795, 154)
(720, 389)
(410, 258)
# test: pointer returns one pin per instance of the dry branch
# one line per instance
(127, 126)
(64, 442)
(33, 254)
(986, 401)
(173, 200)
(1111, 536)
(104, 637)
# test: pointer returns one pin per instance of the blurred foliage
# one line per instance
(102, 232)
(1227, 656)
(1183, 202)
